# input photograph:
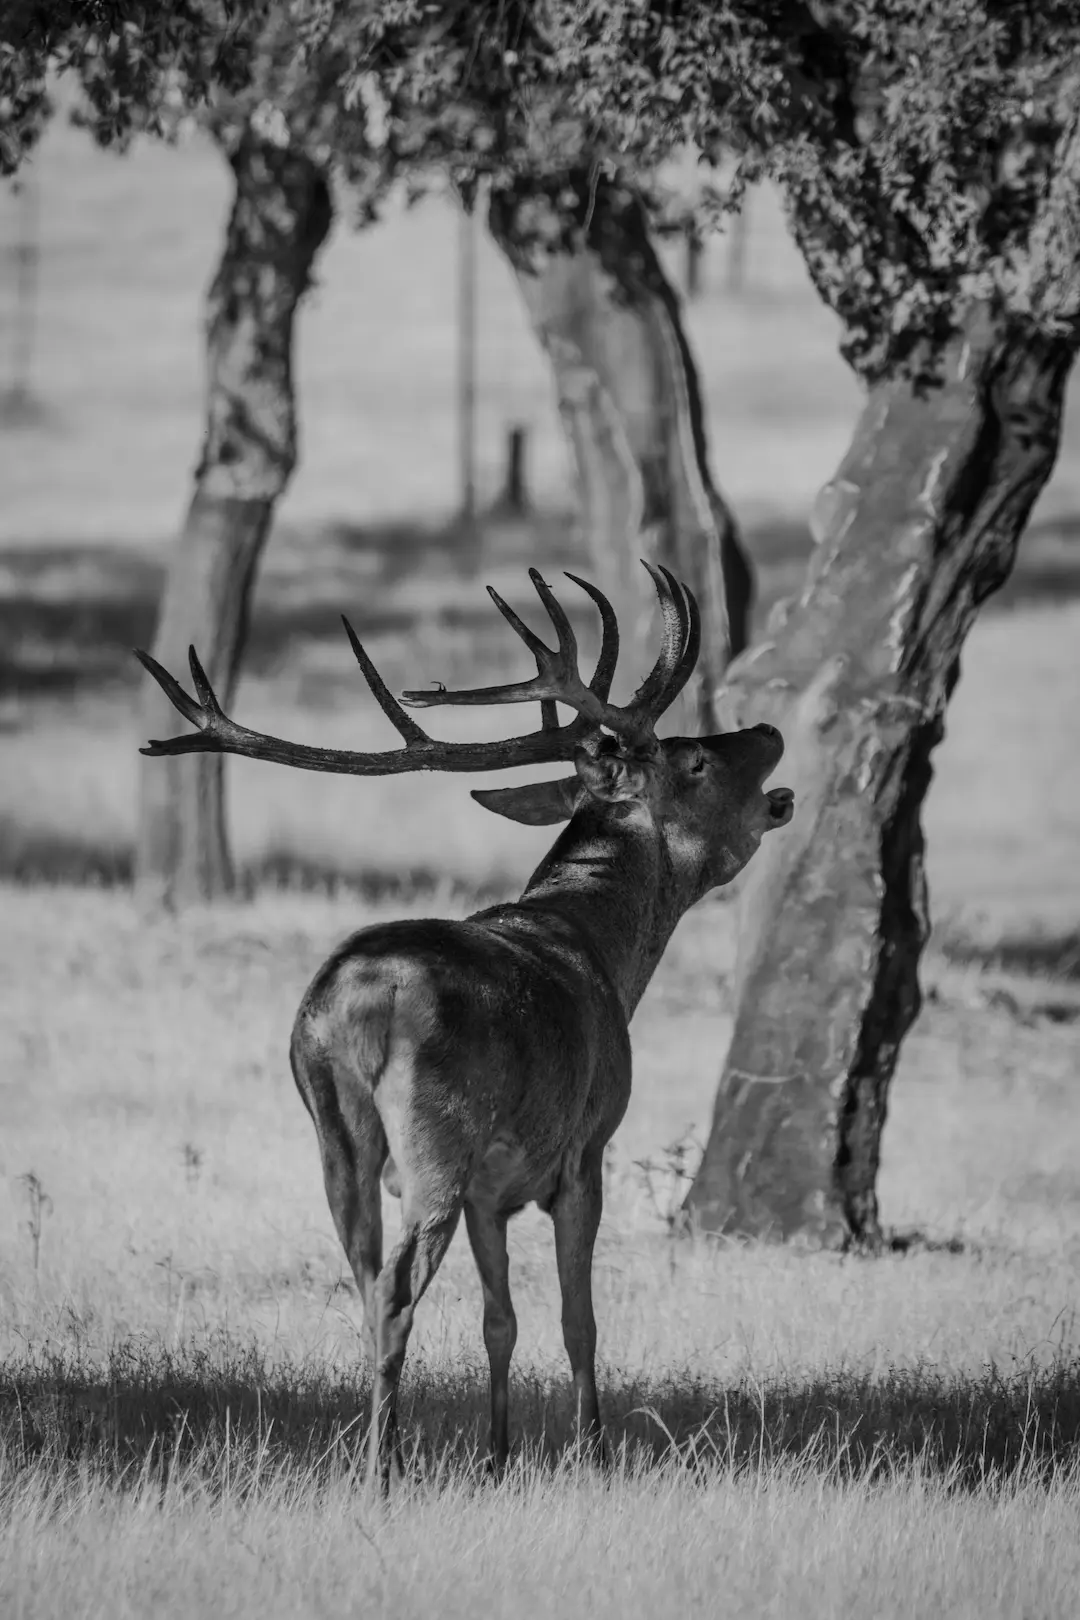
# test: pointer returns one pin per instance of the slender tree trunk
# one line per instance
(919, 526)
(280, 217)
(631, 405)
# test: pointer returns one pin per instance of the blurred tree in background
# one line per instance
(152, 68)
(929, 157)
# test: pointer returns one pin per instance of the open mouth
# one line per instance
(781, 806)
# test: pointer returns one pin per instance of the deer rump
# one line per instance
(466, 1041)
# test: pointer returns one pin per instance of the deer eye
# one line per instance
(698, 766)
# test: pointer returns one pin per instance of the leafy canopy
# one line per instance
(928, 150)
(923, 147)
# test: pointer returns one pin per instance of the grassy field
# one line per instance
(182, 1383)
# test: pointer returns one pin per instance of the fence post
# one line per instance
(16, 399)
(515, 499)
(695, 253)
(738, 234)
(466, 378)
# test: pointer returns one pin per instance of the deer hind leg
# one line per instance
(487, 1235)
(351, 1173)
(399, 1288)
(353, 1149)
(576, 1211)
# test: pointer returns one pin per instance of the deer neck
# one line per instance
(616, 882)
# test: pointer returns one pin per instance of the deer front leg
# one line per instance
(576, 1213)
(487, 1235)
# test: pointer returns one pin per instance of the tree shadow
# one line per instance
(149, 1408)
(32, 855)
(70, 614)
(1041, 955)
(912, 1240)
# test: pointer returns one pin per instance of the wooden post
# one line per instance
(515, 499)
(695, 253)
(737, 244)
(16, 400)
(466, 378)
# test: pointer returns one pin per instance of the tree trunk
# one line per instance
(280, 217)
(919, 526)
(631, 405)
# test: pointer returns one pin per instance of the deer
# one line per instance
(473, 1067)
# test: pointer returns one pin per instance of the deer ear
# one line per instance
(537, 804)
(610, 776)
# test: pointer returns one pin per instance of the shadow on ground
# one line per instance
(70, 614)
(42, 856)
(1041, 955)
(149, 1408)
(33, 856)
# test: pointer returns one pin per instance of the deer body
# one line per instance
(478, 1066)
(488, 1061)
(486, 1054)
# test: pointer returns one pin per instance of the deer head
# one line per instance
(704, 796)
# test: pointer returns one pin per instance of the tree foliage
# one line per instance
(144, 66)
(915, 141)
(135, 63)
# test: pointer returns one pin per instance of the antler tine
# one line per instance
(563, 629)
(567, 653)
(604, 672)
(539, 649)
(685, 667)
(172, 689)
(404, 723)
(650, 693)
(203, 689)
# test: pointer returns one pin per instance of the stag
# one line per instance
(478, 1066)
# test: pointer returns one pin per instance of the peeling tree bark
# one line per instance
(280, 217)
(628, 391)
(919, 526)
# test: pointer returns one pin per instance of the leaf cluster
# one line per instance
(136, 62)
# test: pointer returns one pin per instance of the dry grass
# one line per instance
(182, 1387)
(777, 1539)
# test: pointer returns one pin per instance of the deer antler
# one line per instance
(217, 733)
(558, 680)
